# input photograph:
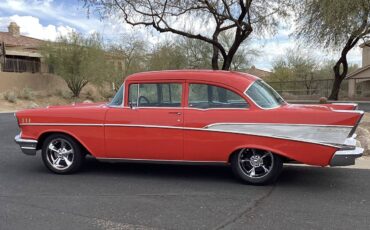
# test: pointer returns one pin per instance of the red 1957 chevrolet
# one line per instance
(194, 117)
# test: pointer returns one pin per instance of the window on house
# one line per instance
(206, 96)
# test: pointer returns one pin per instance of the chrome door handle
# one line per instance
(176, 113)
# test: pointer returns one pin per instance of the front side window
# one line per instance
(118, 98)
(264, 96)
(155, 95)
(206, 96)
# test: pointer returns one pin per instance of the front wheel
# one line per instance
(61, 154)
(256, 166)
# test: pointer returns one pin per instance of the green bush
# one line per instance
(26, 94)
(10, 96)
(63, 94)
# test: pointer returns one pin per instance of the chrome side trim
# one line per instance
(244, 132)
(60, 124)
(342, 103)
(319, 134)
(280, 124)
(28, 146)
(348, 111)
(156, 161)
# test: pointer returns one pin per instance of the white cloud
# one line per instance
(46, 19)
(31, 26)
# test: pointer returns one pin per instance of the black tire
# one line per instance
(74, 158)
(270, 168)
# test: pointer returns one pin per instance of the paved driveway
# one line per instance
(140, 196)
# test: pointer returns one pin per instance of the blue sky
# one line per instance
(46, 19)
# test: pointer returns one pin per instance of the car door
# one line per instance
(150, 126)
(210, 103)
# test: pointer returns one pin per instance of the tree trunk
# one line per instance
(335, 90)
(339, 76)
(215, 58)
(227, 63)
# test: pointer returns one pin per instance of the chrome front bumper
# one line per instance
(347, 155)
(28, 146)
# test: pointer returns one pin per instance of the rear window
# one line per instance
(264, 95)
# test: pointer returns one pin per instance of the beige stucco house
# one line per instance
(359, 80)
(22, 64)
(22, 53)
(258, 72)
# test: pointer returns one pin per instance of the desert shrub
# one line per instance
(63, 94)
(10, 96)
(26, 93)
(106, 93)
(92, 95)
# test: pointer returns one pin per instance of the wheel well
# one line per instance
(283, 158)
(43, 137)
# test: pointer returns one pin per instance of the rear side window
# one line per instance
(206, 96)
(155, 95)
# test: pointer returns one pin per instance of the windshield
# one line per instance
(264, 96)
(118, 98)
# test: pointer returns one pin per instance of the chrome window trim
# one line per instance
(250, 85)
(186, 128)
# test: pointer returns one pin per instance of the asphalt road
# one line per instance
(142, 196)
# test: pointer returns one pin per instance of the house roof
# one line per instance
(258, 72)
(358, 71)
(20, 40)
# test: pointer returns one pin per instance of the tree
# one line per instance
(198, 54)
(296, 65)
(335, 24)
(207, 18)
(77, 60)
(166, 55)
(133, 52)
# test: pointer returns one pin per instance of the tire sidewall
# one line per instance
(267, 179)
(77, 160)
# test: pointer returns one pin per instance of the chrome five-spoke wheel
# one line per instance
(256, 166)
(61, 154)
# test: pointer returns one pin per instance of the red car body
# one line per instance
(307, 134)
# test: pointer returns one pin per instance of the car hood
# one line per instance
(78, 105)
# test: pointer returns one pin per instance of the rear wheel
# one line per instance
(61, 154)
(256, 166)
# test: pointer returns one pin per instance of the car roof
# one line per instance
(236, 80)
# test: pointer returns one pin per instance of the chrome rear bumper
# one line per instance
(345, 157)
(28, 146)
